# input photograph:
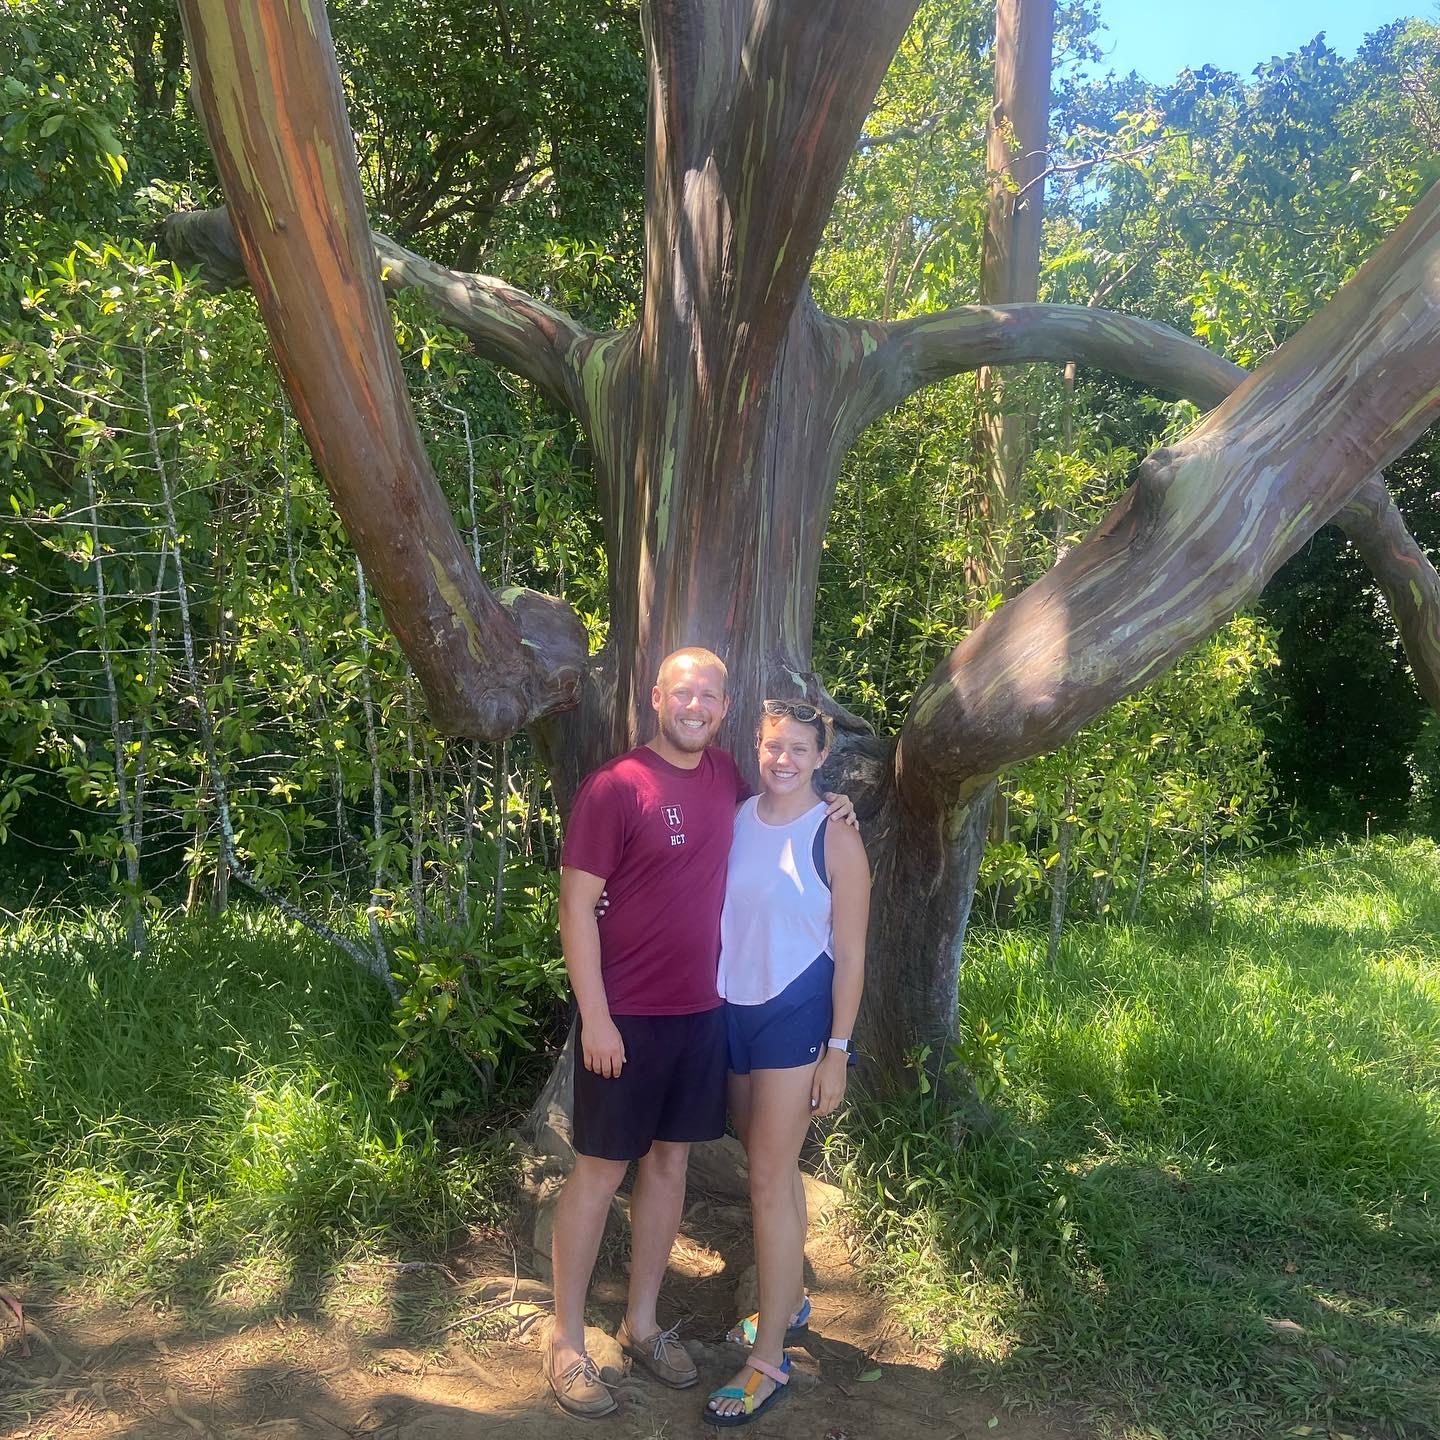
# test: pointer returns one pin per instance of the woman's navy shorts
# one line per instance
(789, 1029)
(671, 1086)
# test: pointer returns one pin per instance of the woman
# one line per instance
(792, 958)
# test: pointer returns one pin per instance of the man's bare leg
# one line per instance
(656, 1205)
(575, 1242)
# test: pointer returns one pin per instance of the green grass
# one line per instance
(1212, 1203)
(1209, 1207)
(221, 1102)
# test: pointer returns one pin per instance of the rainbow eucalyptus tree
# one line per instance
(719, 420)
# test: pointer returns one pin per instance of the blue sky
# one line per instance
(1161, 39)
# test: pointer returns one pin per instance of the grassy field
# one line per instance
(1207, 1207)
(221, 1102)
(1212, 1204)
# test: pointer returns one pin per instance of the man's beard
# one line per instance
(690, 741)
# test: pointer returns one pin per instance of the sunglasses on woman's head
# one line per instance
(800, 710)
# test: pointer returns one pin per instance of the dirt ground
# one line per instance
(451, 1352)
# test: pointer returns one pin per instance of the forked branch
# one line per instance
(755, 110)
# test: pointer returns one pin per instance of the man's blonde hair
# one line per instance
(699, 656)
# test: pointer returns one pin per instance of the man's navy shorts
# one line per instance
(671, 1086)
(788, 1030)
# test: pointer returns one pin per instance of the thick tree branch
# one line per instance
(1206, 524)
(807, 78)
(903, 356)
(931, 347)
(270, 96)
(1372, 522)
(755, 108)
(508, 327)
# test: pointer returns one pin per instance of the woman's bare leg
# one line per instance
(779, 1115)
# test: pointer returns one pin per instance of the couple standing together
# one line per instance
(727, 965)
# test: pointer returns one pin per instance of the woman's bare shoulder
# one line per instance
(845, 849)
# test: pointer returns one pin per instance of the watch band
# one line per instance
(836, 1042)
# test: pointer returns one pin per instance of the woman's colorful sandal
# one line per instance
(743, 1333)
(745, 1393)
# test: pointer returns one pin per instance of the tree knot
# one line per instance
(556, 645)
(1156, 472)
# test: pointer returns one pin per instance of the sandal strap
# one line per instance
(751, 1323)
(781, 1375)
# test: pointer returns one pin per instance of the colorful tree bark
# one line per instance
(275, 116)
(1016, 155)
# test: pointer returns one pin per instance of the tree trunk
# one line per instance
(715, 511)
(1016, 152)
(925, 865)
(718, 424)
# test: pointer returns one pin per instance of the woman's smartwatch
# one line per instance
(836, 1042)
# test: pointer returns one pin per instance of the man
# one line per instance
(651, 828)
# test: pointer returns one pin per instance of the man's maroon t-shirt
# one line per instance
(659, 836)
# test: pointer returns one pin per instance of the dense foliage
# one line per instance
(196, 685)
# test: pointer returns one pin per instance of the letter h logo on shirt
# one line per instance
(674, 818)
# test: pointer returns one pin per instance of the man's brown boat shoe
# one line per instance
(578, 1387)
(661, 1355)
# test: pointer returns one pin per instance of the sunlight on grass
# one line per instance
(1207, 1126)
(221, 1100)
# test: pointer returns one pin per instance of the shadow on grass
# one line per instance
(1220, 1304)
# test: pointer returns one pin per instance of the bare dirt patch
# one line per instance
(382, 1356)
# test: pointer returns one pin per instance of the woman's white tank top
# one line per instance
(776, 920)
